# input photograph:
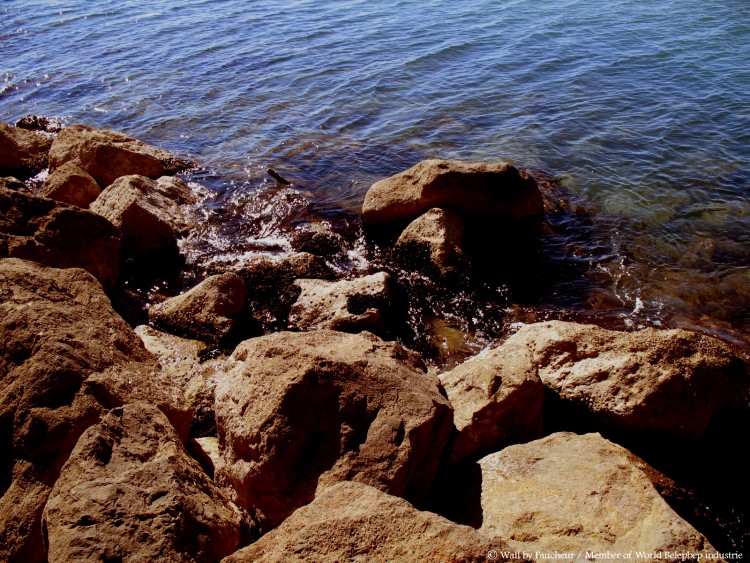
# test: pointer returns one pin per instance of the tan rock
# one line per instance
(59, 235)
(66, 358)
(130, 491)
(71, 184)
(357, 523)
(303, 409)
(22, 153)
(670, 381)
(107, 155)
(207, 312)
(497, 401)
(478, 189)
(571, 494)
(346, 305)
(438, 233)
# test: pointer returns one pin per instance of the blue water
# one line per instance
(641, 108)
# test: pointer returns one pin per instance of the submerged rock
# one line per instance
(346, 305)
(130, 491)
(59, 235)
(497, 400)
(66, 358)
(571, 494)
(473, 189)
(438, 233)
(22, 153)
(305, 409)
(354, 522)
(107, 155)
(71, 184)
(671, 381)
(318, 239)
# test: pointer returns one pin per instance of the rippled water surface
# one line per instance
(640, 108)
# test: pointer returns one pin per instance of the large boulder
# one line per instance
(347, 305)
(495, 191)
(355, 522)
(71, 184)
(570, 494)
(107, 155)
(208, 312)
(437, 234)
(130, 491)
(149, 214)
(65, 359)
(497, 401)
(22, 153)
(303, 409)
(59, 235)
(670, 381)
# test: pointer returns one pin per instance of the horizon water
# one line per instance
(640, 109)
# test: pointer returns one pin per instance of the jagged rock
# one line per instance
(38, 123)
(303, 409)
(318, 239)
(272, 285)
(571, 494)
(346, 305)
(497, 400)
(59, 235)
(107, 155)
(14, 184)
(22, 153)
(207, 312)
(670, 381)
(147, 212)
(207, 451)
(357, 523)
(478, 189)
(71, 184)
(65, 358)
(438, 234)
(130, 491)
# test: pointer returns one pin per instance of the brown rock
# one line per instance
(71, 184)
(346, 305)
(303, 409)
(670, 381)
(357, 523)
(438, 233)
(38, 123)
(59, 235)
(497, 400)
(107, 155)
(14, 184)
(130, 491)
(65, 358)
(318, 239)
(22, 153)
(477, 189)
(571, 494)
(207, 312)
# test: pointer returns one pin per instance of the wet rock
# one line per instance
(670, 381)
(130, 491)
(147, 212)
(71, 184)
(318, 239)
(354, 522)
(495, 191)
(303, 409)
(14, 184)
(66, 358)
(438, 233)
(271, 285)
(570, 494)
(208, 312)
(497, 400)
(22, 153)
(38, 123)
(107, 155)
(59, 235)
(346, 305)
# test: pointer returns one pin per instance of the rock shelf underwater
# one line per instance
(380, 385)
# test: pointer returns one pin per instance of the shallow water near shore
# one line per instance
(639, 109)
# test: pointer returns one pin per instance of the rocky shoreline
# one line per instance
(275, 411)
